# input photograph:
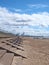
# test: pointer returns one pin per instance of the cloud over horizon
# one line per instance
(31, 24)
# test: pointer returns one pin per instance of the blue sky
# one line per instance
(26, 5)
(28, 16)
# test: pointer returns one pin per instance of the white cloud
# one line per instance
(15, 22)
(38, 5)
(18, 10)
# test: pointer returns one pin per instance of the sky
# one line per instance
(30, 17)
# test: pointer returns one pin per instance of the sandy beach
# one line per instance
(29, 52)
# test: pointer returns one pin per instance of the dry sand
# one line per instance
(37, 51)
